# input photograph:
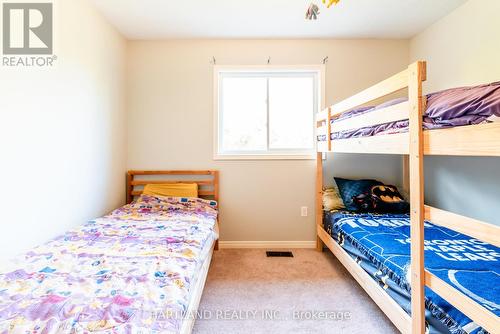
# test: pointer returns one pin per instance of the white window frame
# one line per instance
(292, 154)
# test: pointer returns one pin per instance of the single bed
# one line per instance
(379, 243)
(139, 269)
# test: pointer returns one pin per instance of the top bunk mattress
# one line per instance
(449, 108)
(128, 272)
(469, 265)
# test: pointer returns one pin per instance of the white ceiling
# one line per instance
(162, 19)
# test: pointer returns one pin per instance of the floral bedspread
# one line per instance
(127, 272)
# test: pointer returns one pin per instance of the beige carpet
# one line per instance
(247, 292)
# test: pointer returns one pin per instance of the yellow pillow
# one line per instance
(332, 200)
(172, 190)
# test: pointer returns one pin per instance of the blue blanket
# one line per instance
(469, 265)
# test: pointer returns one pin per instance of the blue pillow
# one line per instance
(350, 190)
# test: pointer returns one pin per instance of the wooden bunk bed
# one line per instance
(471, 140)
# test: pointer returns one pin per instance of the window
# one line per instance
(266, 113)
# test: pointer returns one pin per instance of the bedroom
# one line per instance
(132, 87)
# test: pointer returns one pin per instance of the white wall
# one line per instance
(463, 48)
(62, 132)
(170, 99)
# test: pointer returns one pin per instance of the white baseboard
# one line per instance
(267, 244)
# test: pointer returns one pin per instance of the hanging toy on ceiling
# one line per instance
(313, 10)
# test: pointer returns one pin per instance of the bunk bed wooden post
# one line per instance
(319, 198)
(329, 128)
(416, 153)
(319, 179)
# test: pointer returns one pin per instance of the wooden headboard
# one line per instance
(207, 180)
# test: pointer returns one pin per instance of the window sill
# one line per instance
(265, 157)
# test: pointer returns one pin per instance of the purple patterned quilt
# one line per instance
(448, 108)
(128, 272)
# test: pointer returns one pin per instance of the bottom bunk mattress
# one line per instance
(131, 271)
(380, 244)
